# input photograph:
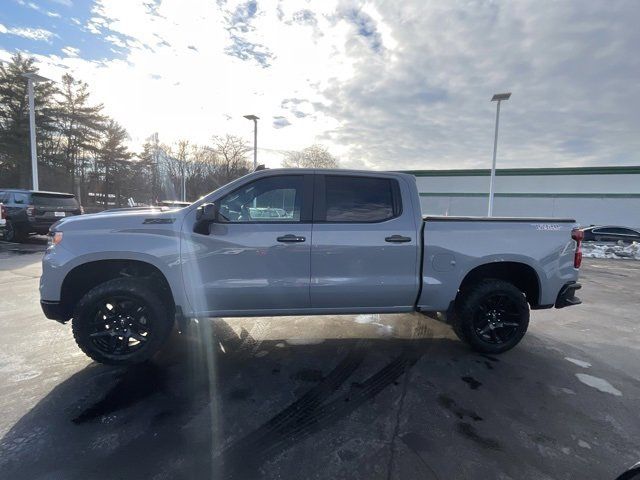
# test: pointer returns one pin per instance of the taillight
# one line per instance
(3, 212)
(30, 210)
(577, 235)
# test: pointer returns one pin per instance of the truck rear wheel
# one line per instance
(121, 322)
(492, 316)
(13, 233)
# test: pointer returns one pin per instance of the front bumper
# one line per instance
(54, 311)
(567, 296)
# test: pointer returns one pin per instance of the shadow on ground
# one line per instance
(217, 404)
(33, 244)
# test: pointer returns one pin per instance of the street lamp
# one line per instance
(31, 79)
(498, 97)
(255, 138)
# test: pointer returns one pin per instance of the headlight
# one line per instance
(54, 238)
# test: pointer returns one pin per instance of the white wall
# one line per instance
(586, 210)
(616, 183)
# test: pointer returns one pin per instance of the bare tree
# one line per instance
(232, 156)
(315, 156)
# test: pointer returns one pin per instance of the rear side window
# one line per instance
(4, 197)
(54, 201)
(361, 199)
(622, 231)
(20, 198)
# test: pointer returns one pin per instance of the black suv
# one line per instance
(28, 211)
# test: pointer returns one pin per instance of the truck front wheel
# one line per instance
(491, 316)
(121, 322)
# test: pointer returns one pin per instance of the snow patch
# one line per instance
(374, 319)
(366, 318)
(611, 250)
(599, 384)
(580, 363)
(583, 444)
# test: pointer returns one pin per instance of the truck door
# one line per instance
(364, 251)
(257, 256)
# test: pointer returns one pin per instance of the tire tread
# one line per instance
(465, 308)
(138, 287)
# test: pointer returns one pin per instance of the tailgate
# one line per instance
(51, 206)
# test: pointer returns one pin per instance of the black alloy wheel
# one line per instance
(491, 316)
(120, 326)
(497, 318)
(123, 321)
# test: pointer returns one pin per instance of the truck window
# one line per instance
(20, 198)
(44, 200)
(271, 199)
(360, 199)
(622, 231)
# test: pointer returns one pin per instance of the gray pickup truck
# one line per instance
(339, 242)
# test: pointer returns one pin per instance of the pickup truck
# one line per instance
(344, 242)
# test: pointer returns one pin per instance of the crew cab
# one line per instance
(343, 242)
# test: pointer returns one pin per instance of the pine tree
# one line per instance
(15, 163)
(114, 159)
(80, 126)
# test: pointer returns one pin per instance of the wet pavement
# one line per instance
(353, 397)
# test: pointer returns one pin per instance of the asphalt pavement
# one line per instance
(335, 397)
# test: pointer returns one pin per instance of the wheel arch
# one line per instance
(520, 274)
(85, 276)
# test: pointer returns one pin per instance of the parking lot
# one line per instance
(364, 397)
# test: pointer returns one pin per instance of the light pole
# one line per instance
(31, 79)
(498, 97)
(184, 183)
(255, 138)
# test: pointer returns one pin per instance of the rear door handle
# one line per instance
(290, 238)
(397, 239)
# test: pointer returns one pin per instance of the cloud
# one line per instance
(385, 85)
(71, 51)
(239, 25)
(39, 34)
(39, 9)
(365, 27)
(425, 104)
(280, 122)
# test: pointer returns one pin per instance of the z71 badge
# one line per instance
(548, 226)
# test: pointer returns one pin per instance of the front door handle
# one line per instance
(290, 238)
(397, 239)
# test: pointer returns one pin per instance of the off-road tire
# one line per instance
(469, 306)
(158, 314)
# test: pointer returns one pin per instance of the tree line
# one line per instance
(83, 151)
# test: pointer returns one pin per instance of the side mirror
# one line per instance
(206, 214)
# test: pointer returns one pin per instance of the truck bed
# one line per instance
(453, 247)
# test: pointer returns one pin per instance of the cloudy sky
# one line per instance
(383, 84)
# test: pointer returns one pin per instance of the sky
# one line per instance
(382, 84)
